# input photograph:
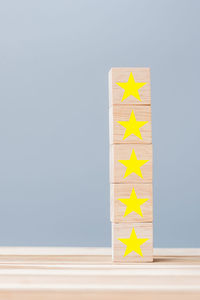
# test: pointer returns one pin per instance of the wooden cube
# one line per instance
(122, 75)
(131, 163)
(131, 203)
(130, 124)
(132, 242)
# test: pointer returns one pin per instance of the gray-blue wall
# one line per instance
(54, 61)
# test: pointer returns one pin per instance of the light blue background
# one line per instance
(54, 61)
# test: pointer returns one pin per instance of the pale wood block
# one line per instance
(137, 236)
(116, 92)
(125, 152)
(120, 212)
(119, 133)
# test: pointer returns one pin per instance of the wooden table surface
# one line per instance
(88, 273)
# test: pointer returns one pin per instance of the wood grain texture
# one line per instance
(88, 273)
(123, 152)
(117, 208)
(99, 295)
(122, 75)
(123, 113)
(123, 231)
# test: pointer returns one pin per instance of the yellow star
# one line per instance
(132, 126)
(131, 87)
(133, 204)
(133, 244)
(133, 165)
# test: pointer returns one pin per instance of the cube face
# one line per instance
(122, 128)
(117, 75)
(131, 203)
(132, 242)
(122, 154)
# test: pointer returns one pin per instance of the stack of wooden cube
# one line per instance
(130, 164)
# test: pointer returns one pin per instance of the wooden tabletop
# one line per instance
(88, 273)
